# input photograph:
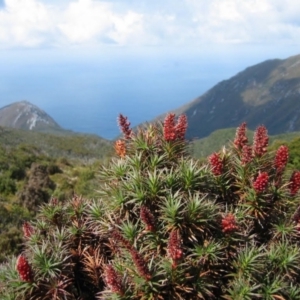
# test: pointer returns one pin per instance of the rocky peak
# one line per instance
(25, 115)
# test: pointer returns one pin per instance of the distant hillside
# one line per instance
(267, 93)
(201, 148)
(72, 146)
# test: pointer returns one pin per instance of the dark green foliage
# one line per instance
(10, 234)
(53, 168)
(7, 185)
(28, 178)
(17, 172)
(294, 151)
(167, 227)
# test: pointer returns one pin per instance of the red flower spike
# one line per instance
(296, 218)
(117, 236)
(281, 158)
(261, 182)
(27, 230)
(181, 127)
(175, 247)
(229, 223)
(140, 264)
(296, 215)
(246, 154)
(294, 183)
(260, 141)
(148, 218)
(240, 137)
(169, 128)
(124, 125)
(113, 280)
(24, 269)
(216, 163)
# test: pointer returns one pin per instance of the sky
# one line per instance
(131, 38)
(61, 23)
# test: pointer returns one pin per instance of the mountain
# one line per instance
(25, 115)
(267, 93)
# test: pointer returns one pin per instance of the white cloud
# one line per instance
(84, 20)
(24, 22)
(252, 21)
(128, 28)
(32, 23)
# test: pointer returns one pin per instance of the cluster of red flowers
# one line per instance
(240, 137)
(174, 131)
(216, 163)
(169, 128)
(113, 280)
(124, 125)
(294, 183)
(181, 127)
(261, 182)
(281, 158)
(138, 260)
(24, 269)
(148, 218)
(246, 154)
(175, 247)
(260, 141)
(27, 229)
(120, 148)
(229, 223)
(140, 264)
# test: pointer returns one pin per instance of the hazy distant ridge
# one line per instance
(267, 93)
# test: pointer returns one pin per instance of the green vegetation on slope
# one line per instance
(72, 146)
(35, 167)
(201, 148)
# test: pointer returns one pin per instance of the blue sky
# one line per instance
(58, 48)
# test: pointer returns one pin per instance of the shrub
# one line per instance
(53, 169)
(38, 188)
(168, 227)
(10, 242)
(7, 185)
(86, 175)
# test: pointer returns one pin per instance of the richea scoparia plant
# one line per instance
(168, 227)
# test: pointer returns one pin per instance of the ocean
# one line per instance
(85, 93)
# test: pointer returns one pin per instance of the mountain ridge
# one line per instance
(265, 93)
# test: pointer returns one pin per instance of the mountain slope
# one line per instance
(85, 147)
(201, 148)
(25, 115)
(267, 93)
